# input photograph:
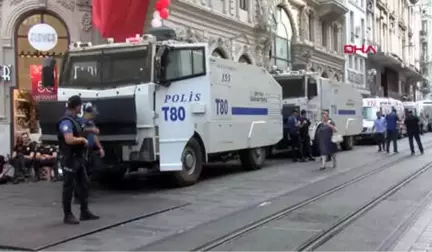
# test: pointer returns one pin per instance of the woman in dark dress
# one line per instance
(324, 139)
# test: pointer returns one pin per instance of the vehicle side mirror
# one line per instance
(48, 72)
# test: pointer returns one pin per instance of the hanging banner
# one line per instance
(121, 19)
(40, 92)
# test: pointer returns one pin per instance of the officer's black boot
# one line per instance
(70, 219)
(87, 215)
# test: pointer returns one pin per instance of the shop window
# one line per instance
(28, 57)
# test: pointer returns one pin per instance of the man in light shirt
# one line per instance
(380, 128)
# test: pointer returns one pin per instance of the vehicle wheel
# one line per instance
(192, 164)
(253, 159)
(348, 143)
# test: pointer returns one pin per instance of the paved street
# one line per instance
(229, 199)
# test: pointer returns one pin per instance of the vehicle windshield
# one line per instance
(295, 87)
(107, 68)
(369, 113)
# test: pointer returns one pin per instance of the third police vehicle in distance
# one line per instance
(305, 90)
(169, 106)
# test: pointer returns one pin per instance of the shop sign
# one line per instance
(42, 37)
(5, 73)
(40, 92)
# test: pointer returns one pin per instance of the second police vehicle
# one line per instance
(305, 90)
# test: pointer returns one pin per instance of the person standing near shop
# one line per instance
(392, 120)
(412, 124)
(72, 147)
(379, 128)
(294, 133)
(304, 135)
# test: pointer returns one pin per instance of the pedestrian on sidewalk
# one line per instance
(324, 136)
(412, 124)
(380, 128)
(304, 135)
(72, 147)
(392, 120)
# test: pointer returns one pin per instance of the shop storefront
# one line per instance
(38, 36)
(32, 31)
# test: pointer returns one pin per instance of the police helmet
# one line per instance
(90, 108)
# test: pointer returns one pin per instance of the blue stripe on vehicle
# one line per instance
(248, 111)
(346, 112)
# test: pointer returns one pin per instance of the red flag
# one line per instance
(120, 19)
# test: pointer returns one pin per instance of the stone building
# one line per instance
(394, 71)
(292, 34)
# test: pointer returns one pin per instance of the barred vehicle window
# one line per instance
(186, 62)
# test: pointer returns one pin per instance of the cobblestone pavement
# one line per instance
(419, 236)
(223, 192)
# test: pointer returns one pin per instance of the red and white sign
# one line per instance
(40, 92)
(353, 49)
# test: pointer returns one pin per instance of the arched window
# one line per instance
(282, 32)
(335, 38)
(245, 59)
(324, 75)
(27, 55)
(218, 53)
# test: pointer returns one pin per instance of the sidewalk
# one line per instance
(419, 236)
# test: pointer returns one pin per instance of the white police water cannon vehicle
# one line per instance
(304, 90)
(170, 105)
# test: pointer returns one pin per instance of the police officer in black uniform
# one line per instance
(72, 148)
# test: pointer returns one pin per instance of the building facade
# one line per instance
(355, 64)
(292, 34)
(394, 71)
(31, 30)
(426, 41)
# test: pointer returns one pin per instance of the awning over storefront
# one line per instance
(387, 60)
(121, 19)
(412, 74)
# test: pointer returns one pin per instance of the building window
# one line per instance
(350, 61)
(335, 38)
(245, 59)
(218, 53)
(355, 63)
(424, 25)
(282, 32)
(311, 27)
(352, 32)
(243, 4)
(324, 35)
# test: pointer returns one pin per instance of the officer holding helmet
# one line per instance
(73, 149)
(95, 152)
